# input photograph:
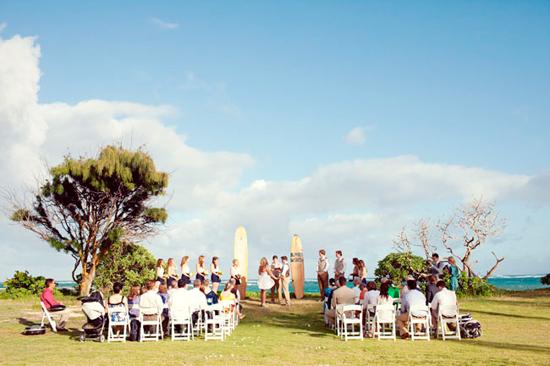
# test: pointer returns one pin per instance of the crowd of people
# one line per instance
(367, 293)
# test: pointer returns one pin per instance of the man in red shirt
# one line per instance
(49, 301)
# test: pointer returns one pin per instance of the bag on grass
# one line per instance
(134, 330)
(469, 327)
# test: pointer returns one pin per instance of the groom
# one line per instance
(285, 281)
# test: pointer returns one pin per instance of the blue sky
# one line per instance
(463, 83)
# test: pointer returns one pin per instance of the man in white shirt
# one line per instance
(322, 273)
(339, 265)
(179, 301)
(150, 303)
(285, 281)
(197, 300)
(414, 298)
(443, 298)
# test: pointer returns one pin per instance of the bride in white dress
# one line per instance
(265, 279)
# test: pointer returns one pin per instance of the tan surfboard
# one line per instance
(240, 252)
(297, 266)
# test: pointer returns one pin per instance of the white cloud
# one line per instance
(3, 26)
(356, 205)
(356, 136)
(164, 24)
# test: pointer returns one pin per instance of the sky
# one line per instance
(342, 122)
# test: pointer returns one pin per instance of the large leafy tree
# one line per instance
(89, 204)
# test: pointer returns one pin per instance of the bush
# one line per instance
(127, 263)
(398, 266)
(474, 286)
(23, 284)
(545, 280)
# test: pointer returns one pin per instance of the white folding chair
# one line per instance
(419, 317)
(199, 324)
(227, 313)
(181, 318)
(118, 318)
(384, 322)
(447, 314)
(338, 319)
(46, 315)
(370, 311)
(155, 324)
(214, 323)
(352, 317)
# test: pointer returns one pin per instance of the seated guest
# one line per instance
(180, 299)
(393, 290)
(163, 293)
(133, 301)
(328, 292)
(443, 297)
(363, 288)
(118, 305)
(52, 305)
(431, 288)
(356, 289)
(371, 297)
(211, 296)
(237, 293)
(343, 295)
(384, 298)
(227, 294)
(413, 298)
(150, 303)
(197, 299)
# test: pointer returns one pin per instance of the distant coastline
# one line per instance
(522, 282)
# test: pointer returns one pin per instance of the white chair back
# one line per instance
(46, 315)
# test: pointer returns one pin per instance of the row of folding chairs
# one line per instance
(215, 322)
(381, 322)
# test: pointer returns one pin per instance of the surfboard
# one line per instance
(297, 266)
(240, 252)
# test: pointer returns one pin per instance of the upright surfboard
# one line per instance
(297, 266)
(240, 252)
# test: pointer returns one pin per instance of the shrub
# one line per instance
(127, 263)
(398, 266)
(545, 280)
(475, 286)
(23, 284)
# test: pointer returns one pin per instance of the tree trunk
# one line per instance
(87, 281)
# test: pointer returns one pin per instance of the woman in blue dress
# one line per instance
(454, 272)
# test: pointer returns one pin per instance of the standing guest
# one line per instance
(266, 279)
(443, 297)
(160, 270)
(362, 270)
(355, 271)
(285, 281)
(150, 303)
(235, 272)
(371, 297)
(339, 265)
(343, 295)
(276, 267)
(185, 270)
(413, 298)
(171, 269)
(454, 272)
(215, 274)
(322, 273)
(237, 294)
(431, 288)
(356, 289)
(201, 270)
(133, 301)
(437, 267)
(52, 304)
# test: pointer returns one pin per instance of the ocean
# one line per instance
(513, 283)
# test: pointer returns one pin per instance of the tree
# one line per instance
(398, 266)
(89, 204)
(545, 280)
(422, 235)
(127, 263)
(470, 227)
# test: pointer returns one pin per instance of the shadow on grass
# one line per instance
(507, 315)
(544, 304)
(508, 346)
(71, 333)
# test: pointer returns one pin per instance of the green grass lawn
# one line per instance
(516, 330)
